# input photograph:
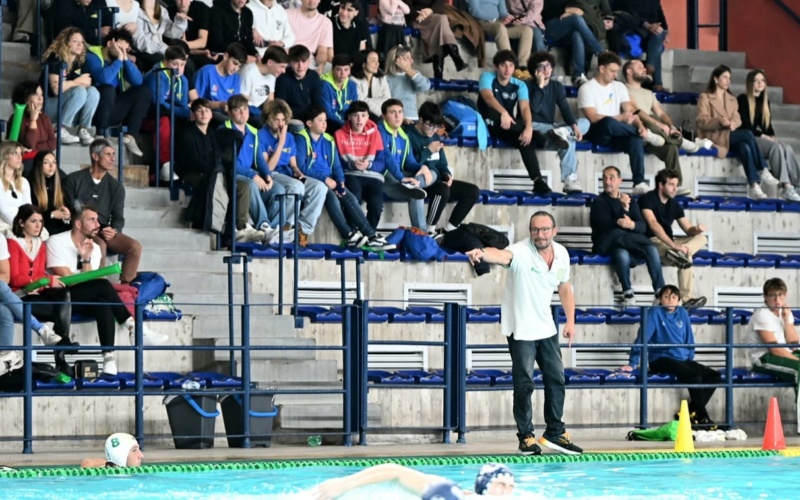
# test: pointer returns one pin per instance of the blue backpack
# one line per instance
(463, 120)
(150, 286)
(422, 247)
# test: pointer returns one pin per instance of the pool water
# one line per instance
(703, 478)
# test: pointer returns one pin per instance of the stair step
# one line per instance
(216, 327)
(272, 371)
(203, 303)
(788, 112)
(203, 280)
(165, 261)
(164, 217)
(271, 355)
(14, 51)
(686, 57)
(171, 238)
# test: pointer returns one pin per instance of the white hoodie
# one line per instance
(271, 23)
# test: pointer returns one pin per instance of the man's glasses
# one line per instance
(540, 230)
(543, 67)
(430, 126)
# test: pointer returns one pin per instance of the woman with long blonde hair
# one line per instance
(405, 81)
(15, 190)
(757, 116)
(47, 193)
(79, 97)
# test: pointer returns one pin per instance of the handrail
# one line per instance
(788, 10)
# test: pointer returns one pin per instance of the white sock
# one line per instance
(431, 229)
(450, 227)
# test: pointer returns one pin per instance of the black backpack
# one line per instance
(488, 236)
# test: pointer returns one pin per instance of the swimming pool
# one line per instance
(707, 475)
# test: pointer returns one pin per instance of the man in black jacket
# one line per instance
(298, 86)
(230, 21)
(80, 14)
(619, 230)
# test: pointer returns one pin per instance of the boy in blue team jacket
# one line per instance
(174, 58)
(670, 324)
(318, 158)
(337, 92)
(123, 98)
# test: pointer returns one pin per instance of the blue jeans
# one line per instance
(416, 208)
(346, 213)
(11, 309)
(618, 135)
(621, 260)
(574, 33)
(569, 159)
(538, 43)
(743, 144)
(283, 185)
(312, 202)
(654, 47)
(78, 105)
(547, 354)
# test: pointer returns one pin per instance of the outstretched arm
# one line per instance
(490, 255)
(410, 479)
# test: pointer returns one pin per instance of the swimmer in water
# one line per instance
(492, 480)
(122, 450)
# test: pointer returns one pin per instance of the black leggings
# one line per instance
(370, 190)
(86, 298)
(511, 136)
(59, 312)
(691, 372)
(463, 193)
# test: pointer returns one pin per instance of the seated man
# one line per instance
(651, 26)
(123, 98)
(565, 28)
(350, 33)
(338, 90)
(270, 25)
(499, 94)
(495, 20)
(545, 93)
(618, 231)
(313, 31)
(277, 157)
(230, 22)
(95, 185)
(298, 86)
(670, 324)
(318, 158)
(220, 82)
(122, 450)
(258, 80)
(660, 210)
(607, 105)
(77, 252)
(78, 13)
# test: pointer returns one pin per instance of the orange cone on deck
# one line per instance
(773, 432)
(685, 441)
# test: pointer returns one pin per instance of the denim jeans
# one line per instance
(285, 185)
(573, 32)
(743, 144)
(11, 309)
(312, 203)
(654, 46)
(78, 105)
(346, 214)
(618, 135)
(538, 43)
(416, 208)
(258, 211)
(547, 354)
(621, 260)
(569, 159)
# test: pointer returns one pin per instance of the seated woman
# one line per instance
(438, 40)
(152, 28)
(718, 120)
(756, 116)
(373, 87)
(405, 81)
(47, 192)
(37, 130)
(15, 190)
(79, 97)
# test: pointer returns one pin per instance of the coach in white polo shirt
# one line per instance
(536, 266)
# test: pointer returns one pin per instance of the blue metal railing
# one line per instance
(694, 25)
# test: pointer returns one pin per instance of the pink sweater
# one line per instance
(394, 11)
(532, 10)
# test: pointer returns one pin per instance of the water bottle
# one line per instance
(190, 385)
(314, 441)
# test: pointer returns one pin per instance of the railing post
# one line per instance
(461, 373)
(61, 68)
(139, 374)
(230, 260)
(361, 346)
(692, 21)
(296, 270)
(173, 188)
(245, 357)
(723, 25)
(643, 370)
(729, 356)
(27, 359)
(37, 35)
(234, 199)
(2, 8)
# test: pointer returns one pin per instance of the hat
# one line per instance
(444, 490)
(488, 473)
(118, 446)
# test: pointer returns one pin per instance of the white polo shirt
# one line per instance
(529, 288)
(764, 319)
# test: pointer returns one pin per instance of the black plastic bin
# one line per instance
(262, 411)
(192, 420)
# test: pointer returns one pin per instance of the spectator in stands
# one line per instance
(230, 22)
(298, 86)
(96, 185)
(25, 24)
(36, 131)
(438, 40)
(657, 121)
(399, 152)
(618, 230)
(660, 210)
(15, 190)
(756, 115)
(545, 94)
(774, 324)
(528, 14)
(498, 23)
(314, 31)
(27, 264)
(196, 34)
(337, 92)
(670, 324)
(718, 120)
(128, 14)
(363, 158)
(607, 105)
(349, 32)
(392, 16)
(47, 193)
(79, 98)
(81, 14)
(373, 87)
(220, 82)
(651, 25)
(77, 252)
(565, 28)
(270, 25)
(317, 158)
(498, 95)
(277, 157)
(122, 450)
(426, 145)
(405, 81)
(123, 98)
(532, 334)
(155, 31)
(258, 79)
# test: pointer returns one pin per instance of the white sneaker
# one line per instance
(85, 136)
(68, 138)
(249, 235)
(165, 172)
(653, 139)
(269, 232)
(641, 188)
(572, 185)
(689, 146)
(560, 137)
(790, 193)
(704, 143)
(683, 191)
(48, 336)
(356, 239)
(768, 178)
(380, 243)
(579, 80)
(109, 364)
(130, 144)
(288, 237)
(755, 192)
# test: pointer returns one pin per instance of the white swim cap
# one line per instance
(117, 448)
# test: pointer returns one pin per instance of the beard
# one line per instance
(639, 78)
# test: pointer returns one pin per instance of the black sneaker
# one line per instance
(541, 188)
(528, 446)
(694, 303)
(679, 259)
(562, 444)
(356, 239)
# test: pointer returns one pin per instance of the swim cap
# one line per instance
(445, 490)
(117, 448)
(488, 473)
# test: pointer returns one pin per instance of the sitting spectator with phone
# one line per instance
(36, 131)
(47, 192)
(220, 82)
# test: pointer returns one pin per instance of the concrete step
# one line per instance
(170, 238)
(13, 51)
(217, 327)
(270, 355)
(8, 28)
(164, 217)
(788, 112)
(686, 57)
(203, 303)
(271, 372)
(164, 260)
(201, 280)
(317, 411)
(701, 74)
(785, 128)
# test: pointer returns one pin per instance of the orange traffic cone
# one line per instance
(773, 432)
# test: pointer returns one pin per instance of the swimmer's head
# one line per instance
(494, 480)
(444, 490)
(123, 451)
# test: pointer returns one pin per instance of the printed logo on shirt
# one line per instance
(214, 90)
(279, 25)
(560, 274)
(679, 323)
(508, 96)
(262, 91)
(609, 99)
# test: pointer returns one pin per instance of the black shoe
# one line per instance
(438, 66)
(541, 188)
(694, 303)
(562, 444)
(528, 446)
(679, 259)
(452, 51)
(705, 424)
